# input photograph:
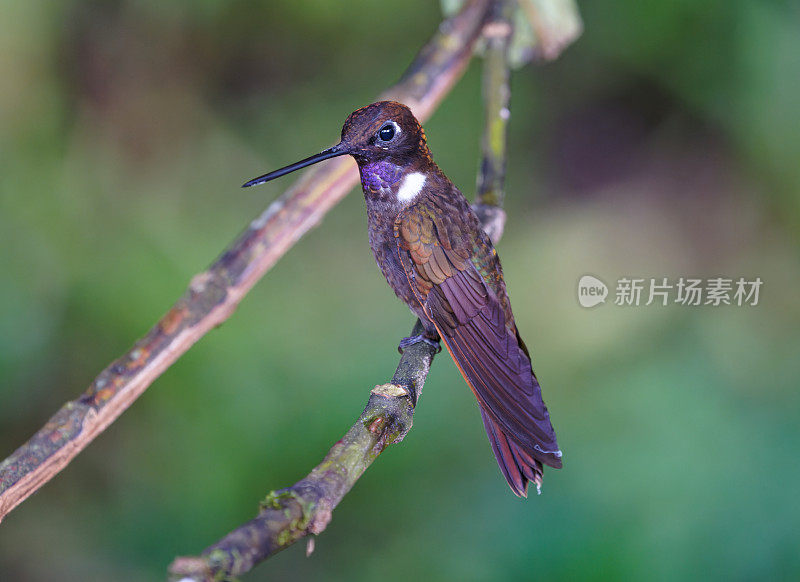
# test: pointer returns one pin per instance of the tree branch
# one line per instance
(290, 514)
(213, 295)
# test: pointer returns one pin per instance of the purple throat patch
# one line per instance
(377, 175)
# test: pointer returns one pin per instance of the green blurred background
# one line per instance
(664, 143)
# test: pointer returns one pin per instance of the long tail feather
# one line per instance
(516, 465)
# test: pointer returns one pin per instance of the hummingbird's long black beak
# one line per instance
(337, 150)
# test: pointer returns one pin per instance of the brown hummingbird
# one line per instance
(433, 252)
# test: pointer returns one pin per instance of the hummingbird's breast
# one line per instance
(388, 189)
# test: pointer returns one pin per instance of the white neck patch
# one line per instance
(411, 186)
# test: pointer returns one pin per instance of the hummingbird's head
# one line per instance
(386, 129)
(383, 130)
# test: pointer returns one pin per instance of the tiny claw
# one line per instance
(415, 339)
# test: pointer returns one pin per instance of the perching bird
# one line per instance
(430, 247)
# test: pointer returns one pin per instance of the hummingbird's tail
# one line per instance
(517, 466)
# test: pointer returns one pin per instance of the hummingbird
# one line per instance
(431, 249)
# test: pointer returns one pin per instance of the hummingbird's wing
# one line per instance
(456, 276)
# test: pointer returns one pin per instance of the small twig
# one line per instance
(305, 508)
(496, 95)
(214, 294)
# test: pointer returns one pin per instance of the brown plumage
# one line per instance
(429, 245)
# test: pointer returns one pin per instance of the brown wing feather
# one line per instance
(473, 324)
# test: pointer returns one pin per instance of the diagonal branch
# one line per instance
(305, 508)
(213, 295)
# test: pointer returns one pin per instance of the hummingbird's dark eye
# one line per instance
(386, 133)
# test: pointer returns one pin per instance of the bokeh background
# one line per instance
(664, 143)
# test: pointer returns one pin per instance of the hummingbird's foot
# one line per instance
(415, 339)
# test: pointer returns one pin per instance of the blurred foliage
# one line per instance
(663, 143)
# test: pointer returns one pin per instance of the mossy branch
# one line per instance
(290, 514)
